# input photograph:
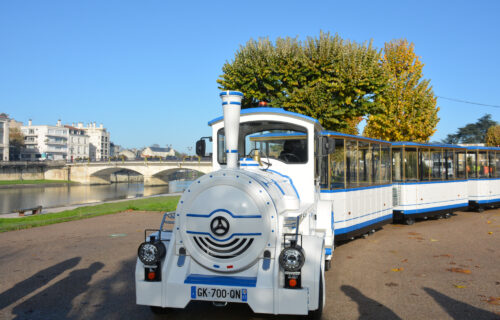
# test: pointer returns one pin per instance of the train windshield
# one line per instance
(274, 140)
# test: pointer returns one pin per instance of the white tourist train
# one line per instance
(261, 228)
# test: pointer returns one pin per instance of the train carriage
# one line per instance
(429, 180)
(483, 177)
(356, 184)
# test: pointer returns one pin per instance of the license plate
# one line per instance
(219, 294)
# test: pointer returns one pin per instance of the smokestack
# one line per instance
(30, 122)
(231, 104)
(59, 122)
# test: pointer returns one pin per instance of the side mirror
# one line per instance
(328, 145)
(200, 147)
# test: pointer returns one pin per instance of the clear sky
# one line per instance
(147, 70)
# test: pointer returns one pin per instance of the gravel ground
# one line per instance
(435, 269)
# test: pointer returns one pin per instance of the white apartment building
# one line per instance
(4, 137)
(78, 143)
(99, 140)
(44, 142)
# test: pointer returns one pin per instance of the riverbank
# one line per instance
(34, 183)
(154, 203)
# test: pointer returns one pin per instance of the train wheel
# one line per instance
(316, 314)
(480, 210)
(447, 215)
(409, 221)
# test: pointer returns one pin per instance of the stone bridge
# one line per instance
(155, 173)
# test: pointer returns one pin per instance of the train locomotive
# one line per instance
(261, 228)
(245, 233)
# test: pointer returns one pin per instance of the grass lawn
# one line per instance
(167, 203)
(8, 182)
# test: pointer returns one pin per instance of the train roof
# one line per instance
(481, 148)
(423, 144)
(339, 134)
(278, 111)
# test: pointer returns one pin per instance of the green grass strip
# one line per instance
(9, 182)
(167, 203)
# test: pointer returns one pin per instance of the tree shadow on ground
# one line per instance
(368, 308)
(55, 302)
(460, 310)
(38, 280)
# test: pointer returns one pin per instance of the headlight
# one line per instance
(151, 252)
(292, 258)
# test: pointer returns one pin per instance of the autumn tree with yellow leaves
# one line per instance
(493, 136)
(410, 104)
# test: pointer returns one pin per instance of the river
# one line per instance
(16, 197)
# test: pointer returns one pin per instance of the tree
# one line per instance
(493, 136)
(327, 78)
(16, 142)
(472, 132)
(410, 105)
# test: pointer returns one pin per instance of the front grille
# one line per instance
(227, 250)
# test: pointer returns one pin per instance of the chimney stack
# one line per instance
(231, 104)
(59, 122)
(30, 122)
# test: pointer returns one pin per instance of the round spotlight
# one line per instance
(292, 258)
(151, 252)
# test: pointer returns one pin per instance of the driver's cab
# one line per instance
(279, 141)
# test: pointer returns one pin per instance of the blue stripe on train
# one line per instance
(363, 224)
(415, 211)
(221, 280)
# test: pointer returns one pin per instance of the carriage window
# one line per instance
(351, 164)
(337, 165)
(376, 163)
(274, 140)
(492, 163)
(497, 173)
(411, 164)
(460, 164)
(449, 164)
(397, 165)
(437, 168)
(482, 165)
(471, 165)
(385, 168)
(364, 163)
(425, 164)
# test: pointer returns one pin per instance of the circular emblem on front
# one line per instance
(219, 226)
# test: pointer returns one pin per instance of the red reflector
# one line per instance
(230, 267)
(151, 275)
(292, 283)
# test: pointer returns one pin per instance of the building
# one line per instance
(99, 142)
(157, 152)
(45, 142)
(4, 137)
(128, 154)
(114, 149)
(78, 143)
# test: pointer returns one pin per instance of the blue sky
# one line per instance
(147, 69)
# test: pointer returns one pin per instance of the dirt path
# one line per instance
(84, 270)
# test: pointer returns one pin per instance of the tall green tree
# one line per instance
(328, 78)
(472, 132)
(410, 105)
